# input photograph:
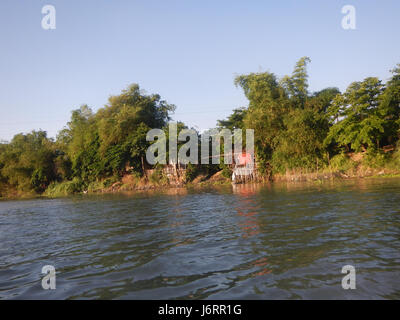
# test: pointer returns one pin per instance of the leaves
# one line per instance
(356, 116)
(289, 124)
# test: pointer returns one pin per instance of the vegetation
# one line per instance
(294, 130)
(92, 147)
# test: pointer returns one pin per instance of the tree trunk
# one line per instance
(143, 169)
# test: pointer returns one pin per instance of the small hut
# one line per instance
(244, 168)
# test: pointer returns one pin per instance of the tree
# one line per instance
(268, 102)
(124, 123)
(296, 85)
(107, 142)
(356, 118)
(234, 121)
(27, 162)
(125, 112)
(390, 107)
(289, 123)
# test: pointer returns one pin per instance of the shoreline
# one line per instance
(212, 182)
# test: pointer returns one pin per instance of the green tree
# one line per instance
(289, 123)
(234, 121)
(296, 85)
(390, 108)
(356, 118)
(124, 123)
(113, 139)
(27, 162)
(268, 102)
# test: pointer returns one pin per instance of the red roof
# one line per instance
(244, 158)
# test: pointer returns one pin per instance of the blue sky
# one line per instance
(187, 51)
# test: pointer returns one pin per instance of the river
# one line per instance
(275, 241)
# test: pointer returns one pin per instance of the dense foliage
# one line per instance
(92, 146)
(294, 129)
(297, 129)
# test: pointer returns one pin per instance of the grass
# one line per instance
(63, 189)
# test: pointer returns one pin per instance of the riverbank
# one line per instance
(133, 183)
(359, 173)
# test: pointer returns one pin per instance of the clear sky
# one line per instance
(188, 51)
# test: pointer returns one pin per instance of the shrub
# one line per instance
(227, 172)
(95, 186)
(191, 172)
(59, 189)
(375, 159)
(342, 162)
(158, 178)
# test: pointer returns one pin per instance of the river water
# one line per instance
(279, 241)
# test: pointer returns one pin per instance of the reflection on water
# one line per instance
(275, 241)
(247, 209)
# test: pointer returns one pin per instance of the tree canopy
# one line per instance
(294, 128)
(298, 129)
(92, 146)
